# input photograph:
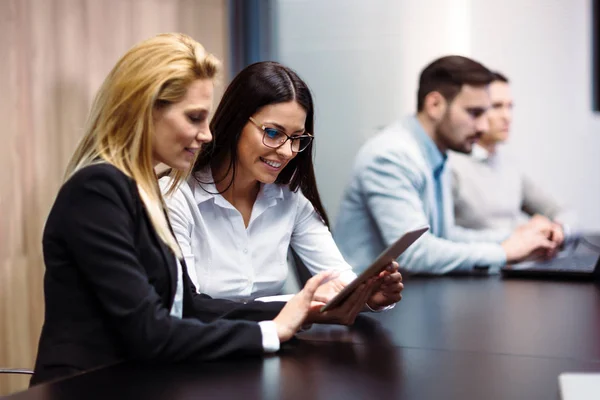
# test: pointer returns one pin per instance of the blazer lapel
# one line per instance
(170, 263)
(169, 260)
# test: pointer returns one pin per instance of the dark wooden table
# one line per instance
(449, 338)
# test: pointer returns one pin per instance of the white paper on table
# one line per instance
(579, 386)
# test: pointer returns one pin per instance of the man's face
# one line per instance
(465, 119)
(500, 115)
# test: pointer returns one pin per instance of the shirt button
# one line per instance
(245, 251)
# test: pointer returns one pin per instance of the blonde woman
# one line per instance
(115, 286)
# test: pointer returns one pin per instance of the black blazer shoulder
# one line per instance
(110, 283)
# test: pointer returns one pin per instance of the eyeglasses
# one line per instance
(274, 138)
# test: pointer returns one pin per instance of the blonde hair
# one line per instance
(120, 129)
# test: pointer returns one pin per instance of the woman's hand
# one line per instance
(295, 312)
(387, 291)
(303, 308)
(346, 313)
(329, 290)
(390, 288)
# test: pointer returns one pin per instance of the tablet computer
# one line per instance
(389, 255)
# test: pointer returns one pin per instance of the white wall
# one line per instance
(546, 52)
(362, 58)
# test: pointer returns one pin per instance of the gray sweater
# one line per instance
(491, 192)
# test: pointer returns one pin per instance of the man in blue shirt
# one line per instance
(400, 181)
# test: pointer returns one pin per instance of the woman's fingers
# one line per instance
(313, 283)
(356, 302)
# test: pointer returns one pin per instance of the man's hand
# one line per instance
(527, 243)
(537, 223)
(551, 230)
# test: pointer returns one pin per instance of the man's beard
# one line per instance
(445, 137)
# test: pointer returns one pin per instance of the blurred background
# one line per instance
(361, 58)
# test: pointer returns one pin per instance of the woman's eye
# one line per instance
(271, 133)
(195, 118)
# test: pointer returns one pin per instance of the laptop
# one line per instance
(579, 259)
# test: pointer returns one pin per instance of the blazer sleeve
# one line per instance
(98, 228)
(391, 187)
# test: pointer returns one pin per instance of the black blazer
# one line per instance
(110, 284)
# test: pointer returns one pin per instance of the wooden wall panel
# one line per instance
(54, 54)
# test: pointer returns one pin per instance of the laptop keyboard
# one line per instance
(578, 262)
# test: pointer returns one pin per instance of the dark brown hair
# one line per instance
(448, 74)
(498, 77)
(256, 86)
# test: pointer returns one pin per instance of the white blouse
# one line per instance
(227, 260)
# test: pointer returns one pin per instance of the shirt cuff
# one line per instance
(567, 232)
(497, 259)
(380, 309)
(347, 276)
(270, 339)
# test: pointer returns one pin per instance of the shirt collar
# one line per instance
(204, 189)
(202, 184)
(435, 158)
(271, 191)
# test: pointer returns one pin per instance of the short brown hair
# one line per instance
(448, 74)
(498, 77)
